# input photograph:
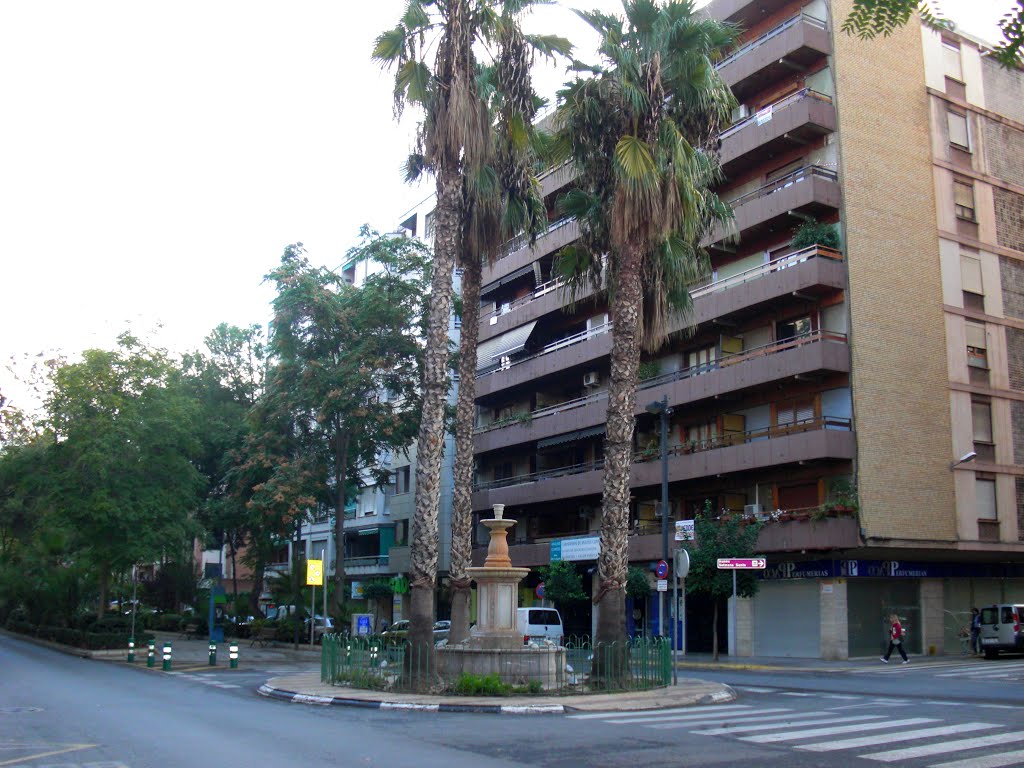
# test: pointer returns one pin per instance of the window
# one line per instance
(977, 346)
(795, 411)
(951, 60)
(959, 133)
(981, 416)
(402, 479)
(318, 550)
(985, 498)
(504, 471)
(798, 496)
(963, 200)
(701, 360)
(702, 435)
(791, 329)
(970, 274)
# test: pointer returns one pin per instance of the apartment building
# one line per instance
(826, 391)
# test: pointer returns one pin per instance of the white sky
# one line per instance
(155, 158)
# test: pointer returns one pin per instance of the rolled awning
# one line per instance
(527, 270)
(489, 352)
(570, 437)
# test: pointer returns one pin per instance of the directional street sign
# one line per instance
(742, 563)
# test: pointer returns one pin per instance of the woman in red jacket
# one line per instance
(895, 639)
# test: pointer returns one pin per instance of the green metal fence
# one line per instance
(575, 668)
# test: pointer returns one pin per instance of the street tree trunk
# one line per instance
(714, 631)
(465, 421)
(341, 443)
(430, 442)
(611, 647)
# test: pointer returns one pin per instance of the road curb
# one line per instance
(342, 701)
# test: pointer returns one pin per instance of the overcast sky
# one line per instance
(157, 157)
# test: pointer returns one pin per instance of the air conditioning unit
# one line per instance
(751, 509)
(591, 379)
(740, 113)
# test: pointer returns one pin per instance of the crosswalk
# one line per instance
(968, 670)
(203, 679)
(868, 734)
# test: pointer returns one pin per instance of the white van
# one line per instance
(539, 624)
(1001, 629)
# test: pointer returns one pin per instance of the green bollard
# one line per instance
(151, 656)
(233, 656)
(167, 656)
(131, 650)
(213, 654)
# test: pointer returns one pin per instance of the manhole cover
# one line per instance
(16, 710)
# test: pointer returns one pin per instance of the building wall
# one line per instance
(905, 487)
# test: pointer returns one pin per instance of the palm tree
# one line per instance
(452, 138)
(640, 129)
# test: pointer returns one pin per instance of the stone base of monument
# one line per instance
(517, 666)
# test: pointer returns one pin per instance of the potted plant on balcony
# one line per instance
(841, 499)
(814, 232)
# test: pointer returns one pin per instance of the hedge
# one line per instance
(79, 638)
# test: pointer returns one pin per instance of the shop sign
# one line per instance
(582, 548)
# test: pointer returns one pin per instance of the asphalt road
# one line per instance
(58, 711)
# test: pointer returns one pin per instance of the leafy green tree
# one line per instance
(640, 129)
(714, 539)
(870, 18)
(121, 479)
(637, 585)
(562, 583)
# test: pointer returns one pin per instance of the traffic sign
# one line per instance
(663, 585)
(682, 563)
(314, 573)
(742, 563)
(661, 570)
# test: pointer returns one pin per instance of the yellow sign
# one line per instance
(314, 573)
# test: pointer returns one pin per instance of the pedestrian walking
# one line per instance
(895, 640)
(975, 630)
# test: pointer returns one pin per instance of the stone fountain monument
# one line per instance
(495, 644)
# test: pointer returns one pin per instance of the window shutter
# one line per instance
(951, 60)
(981, 414)
(963, 198)
(805, 410)
(985, 497)
(976, 335)
(970, 274)
(958, 133)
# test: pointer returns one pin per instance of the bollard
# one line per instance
(167, 656)
(213, 654)
(131, 650)
(233, 656)
(151, 656)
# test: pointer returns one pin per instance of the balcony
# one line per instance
(367, 565)
(520, 254)
(797, 119)
(794, 44)
(811, 190)
(802, 355)
(808, 440)
(814, 270)
(744, 13)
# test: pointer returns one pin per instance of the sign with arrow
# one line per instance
(742, 563)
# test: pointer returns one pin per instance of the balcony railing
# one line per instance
(771, 348)
(541, 290)
(770, 34)
(520, 241)
(779, 105)
(695, 446)
(554, 346)
(782, 183)
(362, 562)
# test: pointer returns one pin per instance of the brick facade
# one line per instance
(1015, 357)
(1011, 274)
(1004, 90)
(1009, 218)
(1017, 425)
(1004, 151)
(1020, 508)
(895, 298)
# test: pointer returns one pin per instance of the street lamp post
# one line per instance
(661, 409)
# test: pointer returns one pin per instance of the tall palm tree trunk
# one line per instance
(465, 419)
(430, 442)
(610, 657)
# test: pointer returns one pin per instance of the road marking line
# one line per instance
(771, 738)
(71, 748)
(718, 721)
(704, 716)
(841, 696)
(775, 726)
(797, 693)
(988, 761)
(910, 753)
(711, 708)
(751, 689)
(885, 738)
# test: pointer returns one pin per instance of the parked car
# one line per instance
(1001, 629)
(441, 630)
(322, 625)
(539, 624)
(397, 632)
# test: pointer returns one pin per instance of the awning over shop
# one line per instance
(491, 351)
(527, 270)
(570, 437)
(369, 531)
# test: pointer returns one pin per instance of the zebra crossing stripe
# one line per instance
(799, 724)
(677, 710)
(885, 738)
(941, 748)
(990, 672)
(718, 721)
(771, 738)
(691, 719)
(988, 761)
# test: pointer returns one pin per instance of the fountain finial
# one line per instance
(499, 510)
